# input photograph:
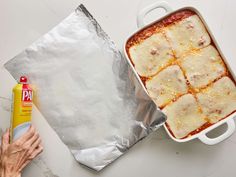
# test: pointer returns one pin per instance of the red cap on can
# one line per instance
(23, 79)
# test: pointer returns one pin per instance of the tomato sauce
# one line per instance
(157, 27)
(198, 130)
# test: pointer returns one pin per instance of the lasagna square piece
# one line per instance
(203, 66)
(150, 55)
(187, 34)
(184, 116)
(167, 85)
(218, 100)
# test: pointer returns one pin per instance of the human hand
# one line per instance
(15, 156)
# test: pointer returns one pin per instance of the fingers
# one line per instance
(34, 146)
(32, 140)
(19, 153)
(24, 164)
(36, 143)
(36, 152)
(30, 133)
(6, 139)
(30, 152)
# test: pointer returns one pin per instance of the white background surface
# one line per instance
(23, 21)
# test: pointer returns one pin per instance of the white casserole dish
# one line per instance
(202, 134)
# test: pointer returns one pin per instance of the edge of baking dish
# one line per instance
(202, 134)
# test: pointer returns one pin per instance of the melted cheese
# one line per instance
(219, 100)
(184, 48)
(151, 55)
(187, 34)
(167, 85)
(184, 116)
(203, 67)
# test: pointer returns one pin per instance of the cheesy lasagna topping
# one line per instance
(218, 100)
(184, 116)
(166, 85)
(151, 55)
(183, 73)
(203, 66)
(186, 35)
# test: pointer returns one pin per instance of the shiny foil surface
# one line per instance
(86, 90)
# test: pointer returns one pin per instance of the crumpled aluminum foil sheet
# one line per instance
(86, 90)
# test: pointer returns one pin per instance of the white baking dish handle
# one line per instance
(142, 13)
(211, 141)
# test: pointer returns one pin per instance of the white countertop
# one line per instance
(22, 22)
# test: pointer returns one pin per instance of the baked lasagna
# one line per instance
(183, 73)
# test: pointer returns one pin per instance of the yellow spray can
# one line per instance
(22, 98)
